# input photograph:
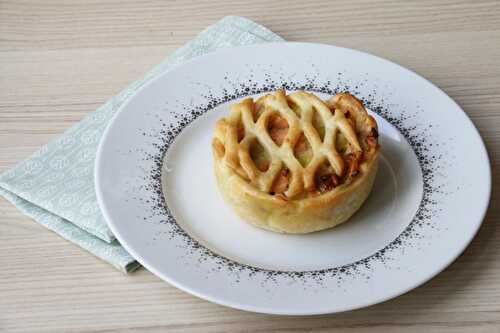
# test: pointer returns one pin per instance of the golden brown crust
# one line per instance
(284, 194)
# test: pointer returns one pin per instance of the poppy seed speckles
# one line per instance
(432, 159)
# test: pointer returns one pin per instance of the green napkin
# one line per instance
(55, 186)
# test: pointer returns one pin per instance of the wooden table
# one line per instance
(59, 60)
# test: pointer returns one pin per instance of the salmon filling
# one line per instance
(325, 177)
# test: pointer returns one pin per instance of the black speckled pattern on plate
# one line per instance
(416, 134)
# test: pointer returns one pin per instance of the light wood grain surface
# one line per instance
(61, 59)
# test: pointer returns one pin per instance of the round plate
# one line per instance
(156, 188)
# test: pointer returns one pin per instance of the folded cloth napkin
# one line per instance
(55, 186)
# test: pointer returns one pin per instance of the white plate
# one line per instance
(429, 199)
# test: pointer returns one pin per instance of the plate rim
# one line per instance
(259, 309)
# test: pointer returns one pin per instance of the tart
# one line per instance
(293, 163)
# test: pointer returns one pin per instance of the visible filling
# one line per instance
(281, 182)
(341, 143)
(260, 156)
(277, 128)
(257, 111)
(303, 151)
(294, 107)
(353, 161)
(371, 139)
(325, 178)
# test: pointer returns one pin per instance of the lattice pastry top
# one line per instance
(297, 146)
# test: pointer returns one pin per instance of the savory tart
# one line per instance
(295, 163)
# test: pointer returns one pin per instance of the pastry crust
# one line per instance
(294, 163)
